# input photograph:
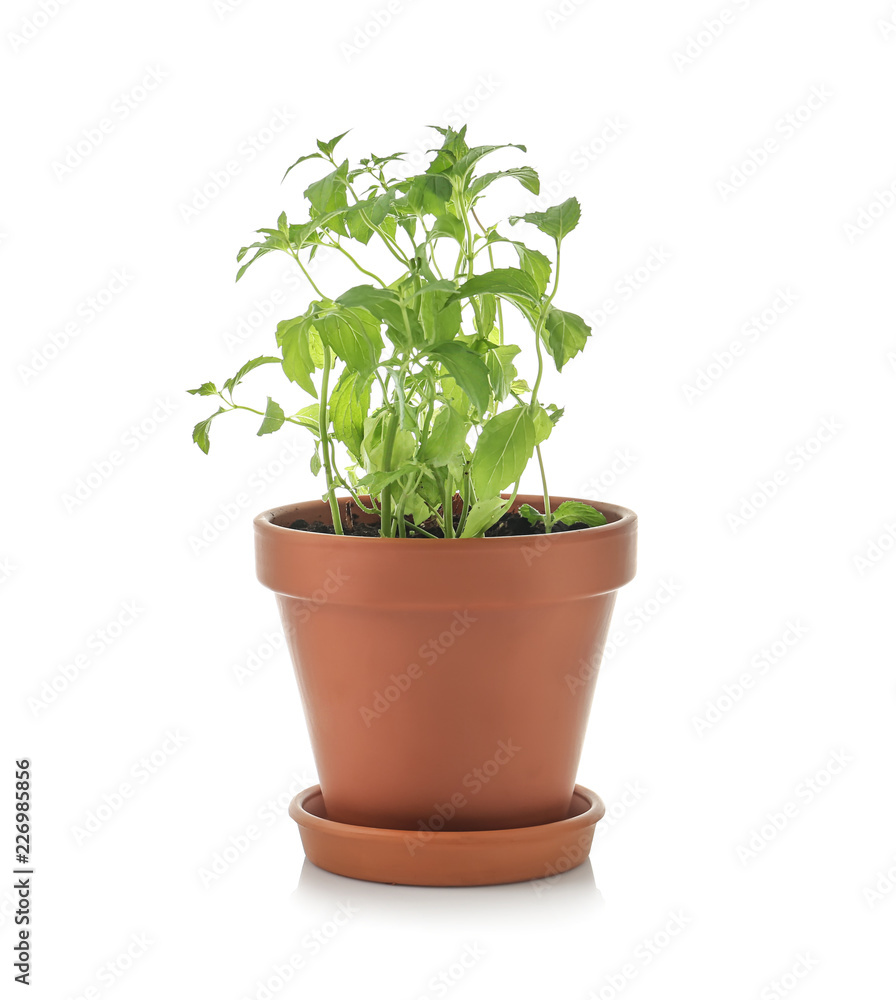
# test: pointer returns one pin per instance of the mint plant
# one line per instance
(417, 398)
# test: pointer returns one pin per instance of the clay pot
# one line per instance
(446, 682)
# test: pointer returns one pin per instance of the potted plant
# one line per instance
(445, 630)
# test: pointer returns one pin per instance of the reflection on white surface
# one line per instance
(573, 893)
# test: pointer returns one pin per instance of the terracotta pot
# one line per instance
(446, 682)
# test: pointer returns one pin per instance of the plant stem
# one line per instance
(448, 509)
(338, 246)
(491, 261)
(539, 328)
(295, 255)
(325, 445)
(548, 516)
(388, 447)
(466, 488)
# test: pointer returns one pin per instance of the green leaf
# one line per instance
(535, 264)
(373, 447)
(499, 362)
(305, 233)
(349, 405)
(482, 515)
(463, 166)
(525, 175)
(315, 463)
(380, 207)
(484, 312)
(467, 368)
(294, 339)
(328, 147)
(353, 337)
(448, 225)
(232, 383)
(301, 159)
(206, 389)
(543, 424)
(575, 512)
(557, 221)
(263, 248)
(447, 437)
(354, 217)
(376, 482)
(439, 311)
(309, 416)
(503, 451)
(555, 412)
(383, 303)
(428, 194)
(531, 514)
(565, 335)
(328, 195)
(200, 431)
(273, 418)
(506, 281)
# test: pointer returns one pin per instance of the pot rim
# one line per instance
(625, 520)
(593, 812)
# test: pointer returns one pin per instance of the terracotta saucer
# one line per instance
(426, 857)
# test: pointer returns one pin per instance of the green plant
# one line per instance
(408, 368)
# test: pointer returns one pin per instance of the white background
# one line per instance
(792, 434)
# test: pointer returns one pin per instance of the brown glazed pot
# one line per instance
(446, 682)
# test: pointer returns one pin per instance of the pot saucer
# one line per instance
(457, 858)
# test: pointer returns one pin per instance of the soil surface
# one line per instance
(509, 526)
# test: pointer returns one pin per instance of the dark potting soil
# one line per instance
(508, 526)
